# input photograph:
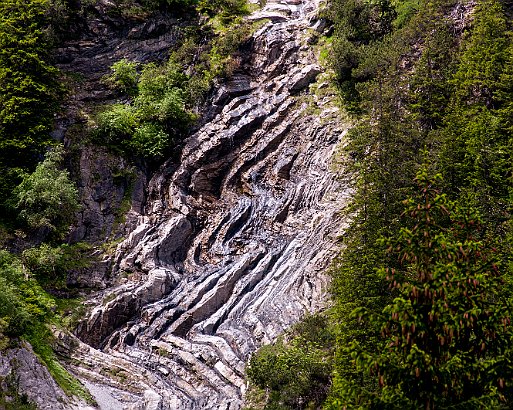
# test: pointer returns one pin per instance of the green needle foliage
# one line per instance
(446, 338)
(28, 88)
(476, 143)
(425, 86)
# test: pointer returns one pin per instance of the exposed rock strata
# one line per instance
(22, 373)
(99, 37)
(232, 245)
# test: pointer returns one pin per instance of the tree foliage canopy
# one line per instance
(428, 83)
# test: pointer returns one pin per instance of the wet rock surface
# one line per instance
(231, 245)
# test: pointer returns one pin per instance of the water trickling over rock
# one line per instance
(233, 243)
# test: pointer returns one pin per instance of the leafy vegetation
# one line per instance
(26, 309)
(446, 338)
(51, 264)
(38, 199)
(36, 194)
(24, 302)
(123, 77)
(47, 199)
(162, 98)
(157, 114)
(295, 370)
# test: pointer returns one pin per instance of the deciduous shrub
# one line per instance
(124, 76)
(157, 115)
(116, 124)
(47, 199)
(22, 301)
(295, 372)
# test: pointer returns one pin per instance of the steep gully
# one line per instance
(233, 243)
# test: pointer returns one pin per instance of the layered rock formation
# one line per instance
(23, 378)
(100, 35)
(21, 368)
(233, 242)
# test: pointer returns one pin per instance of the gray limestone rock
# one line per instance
(306, 76)
(20, 369)
(230, 245)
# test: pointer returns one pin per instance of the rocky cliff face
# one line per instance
(20, 370)
(231, 245)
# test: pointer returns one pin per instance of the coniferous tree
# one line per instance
(475, 150)
(28, 88)
(446, 337)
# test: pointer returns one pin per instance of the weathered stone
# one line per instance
(236, 86)
(231, 243)
(304, 78)
(21, 370)
(320, 25)
(152, 401)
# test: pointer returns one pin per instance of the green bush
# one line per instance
(160, 96)
(361, 26)
(157, 114)
(116, 124)
(22, 301)
(168, 109)
(52, 264)
(405, 11)
(156, 81)
(43, 261)
(295, 373)
(174, 5)
(124, 76)
(47, 199)
(150, 141)
(226, 10)
(13, 314)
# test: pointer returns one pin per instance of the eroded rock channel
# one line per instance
(232, 244)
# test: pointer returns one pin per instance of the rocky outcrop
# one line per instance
(103, 33)
(233, 241)
(23, 378)
(112, 193)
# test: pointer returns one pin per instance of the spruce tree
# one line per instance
(446, 336)
(29, 89)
